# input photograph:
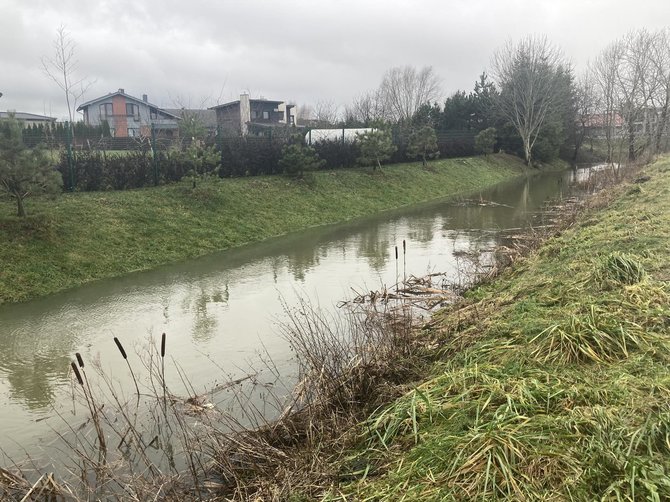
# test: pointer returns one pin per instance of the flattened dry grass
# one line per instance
(555, 377)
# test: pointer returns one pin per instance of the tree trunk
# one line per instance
(631, 141)
(662, 125)
(21, 210)
(527, 152)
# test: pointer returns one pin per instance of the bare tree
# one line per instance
(528, 76)
(405, 89)
(604, 74)
(632, 76)
(367, 109)
(193, 124)
(635, 86)
(660, 99)
(585, 103)
(62, 68)
(326, 113)
(305, 114)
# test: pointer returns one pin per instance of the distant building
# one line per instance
(600, 123)
(205, 118)
(254, 116)
(129, 116)
(28, 119)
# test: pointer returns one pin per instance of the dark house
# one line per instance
(254, 116)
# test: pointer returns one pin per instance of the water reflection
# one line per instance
(224, 307)
(373, 245)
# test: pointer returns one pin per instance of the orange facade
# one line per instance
(120, 119)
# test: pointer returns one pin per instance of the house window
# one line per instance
(133, 132)
(153, 113)
(266, 115)
(291, 119)
(133, 110)
(254, 114)
(105, 110)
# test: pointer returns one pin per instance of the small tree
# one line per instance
(204, 161)
(63, 68)
(376, 147)
(485, 141)
(297, 159)
(24, 171)
(423, 144)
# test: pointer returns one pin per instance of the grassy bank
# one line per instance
(552, 382)
(81, 237)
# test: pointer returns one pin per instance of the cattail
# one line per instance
(79, 360)
(118, 344)
(396, 252)
(77, 374)
(163, 345)
(404, 247)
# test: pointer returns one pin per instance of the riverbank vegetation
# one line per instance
(549, 379)
(550, 382)
(81, 237)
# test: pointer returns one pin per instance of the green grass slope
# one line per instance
(554, 380)
(81, 237)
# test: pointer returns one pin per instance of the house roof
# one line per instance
(206, 117)
(127, 96)
(27, 116)
(237, 102)
(601, 120)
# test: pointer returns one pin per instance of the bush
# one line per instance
(298, 159)
(485, 141)
(336, 154)
(250, 156)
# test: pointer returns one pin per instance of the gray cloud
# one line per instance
(298, 50)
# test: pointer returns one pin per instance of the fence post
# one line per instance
(310, 137)
(343, 136)
(154, 153)
(70, 162)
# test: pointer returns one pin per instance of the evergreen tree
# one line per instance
(423, 144)
(458, 112)
(485, 141)
(376, 147)
(24, 171)
(297, 159)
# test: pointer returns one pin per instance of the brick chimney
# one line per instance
(145, 98)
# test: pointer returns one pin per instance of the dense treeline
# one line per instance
(532, 104)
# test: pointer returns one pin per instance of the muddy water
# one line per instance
(219, 311)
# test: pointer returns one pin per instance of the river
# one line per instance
(219, 311)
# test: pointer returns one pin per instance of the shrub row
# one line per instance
(95, 170)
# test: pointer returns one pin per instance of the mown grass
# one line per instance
(81, 237)
(553, 381)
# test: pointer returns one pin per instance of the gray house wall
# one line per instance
(125, 125)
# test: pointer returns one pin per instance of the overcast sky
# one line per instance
(197, 51)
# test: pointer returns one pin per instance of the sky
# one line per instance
(201, 53)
